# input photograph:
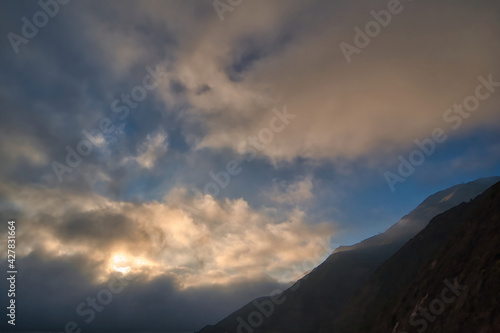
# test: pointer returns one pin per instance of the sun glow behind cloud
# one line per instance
(127, 264)
(226, 242)
(119, 262)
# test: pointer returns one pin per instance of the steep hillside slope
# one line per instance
(324, 292)
(413, 290)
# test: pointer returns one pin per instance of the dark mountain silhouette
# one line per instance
(461, 246)
(319, 301)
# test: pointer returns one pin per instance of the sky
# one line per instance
(210, 152)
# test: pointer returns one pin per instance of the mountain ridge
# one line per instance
(329, 286)
(448, 248)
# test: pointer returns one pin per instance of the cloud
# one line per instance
(386, 98)
(195, 260)
(223, 242)
(293, 193)
(54, 286)
(154, 146)
(17, 147)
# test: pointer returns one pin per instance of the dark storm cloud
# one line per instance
(203, 89)
(50, 290)
(60, 84)
(99, 230)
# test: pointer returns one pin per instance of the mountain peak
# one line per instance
(324, 292)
